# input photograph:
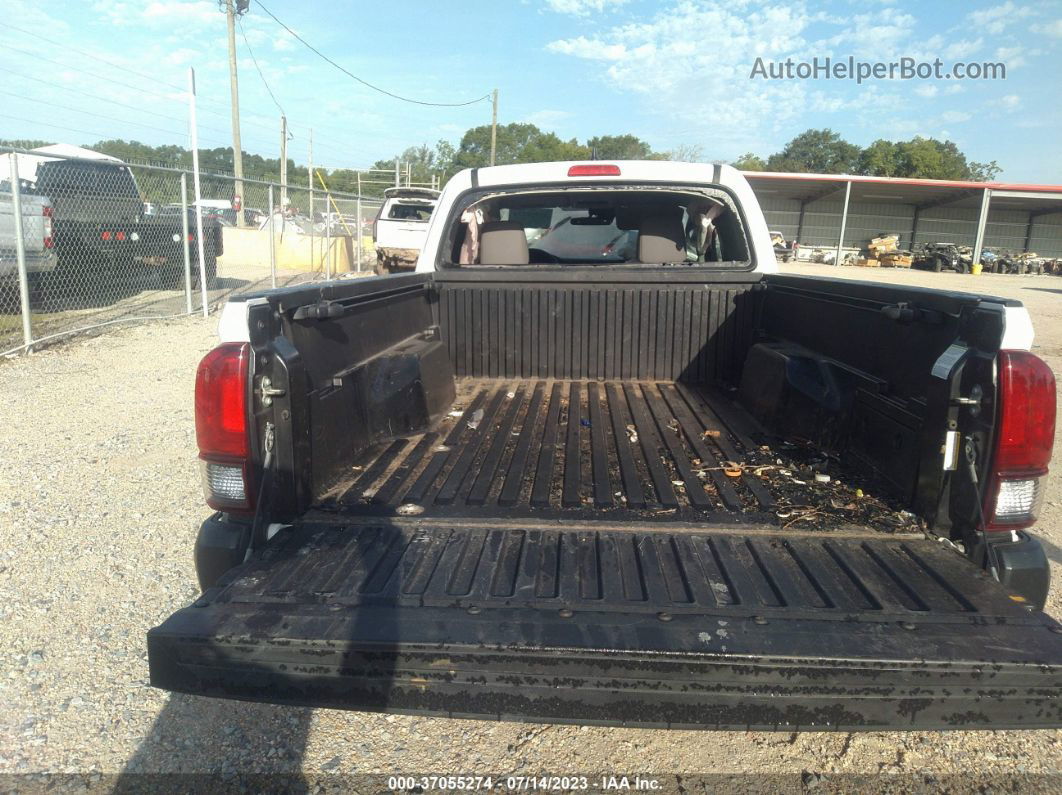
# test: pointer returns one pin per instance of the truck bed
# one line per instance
(615, 451)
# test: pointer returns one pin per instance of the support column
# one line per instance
(1028, 231)
(914, 224)
(982, 220)
(844, 222)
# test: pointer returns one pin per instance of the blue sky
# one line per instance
(674, 72)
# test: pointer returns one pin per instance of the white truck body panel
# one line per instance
(39, 258)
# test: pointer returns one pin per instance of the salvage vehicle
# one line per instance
(400, 227)
(38, 245)
(784, 250)
(664, 486)
(103, 230)
(942, 256)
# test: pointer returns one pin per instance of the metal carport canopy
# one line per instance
(919, 193)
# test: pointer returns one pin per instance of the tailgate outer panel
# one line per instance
(690, 628)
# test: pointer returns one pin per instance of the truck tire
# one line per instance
(936, 264)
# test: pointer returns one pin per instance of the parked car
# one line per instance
(672, 488)
(400, 226)
(38, 245)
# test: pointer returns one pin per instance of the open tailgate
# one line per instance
(683, 628)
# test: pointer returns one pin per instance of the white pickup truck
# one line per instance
(37, 238)
(400, 227)
(596, 461)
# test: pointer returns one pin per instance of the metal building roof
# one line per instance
(922, 193)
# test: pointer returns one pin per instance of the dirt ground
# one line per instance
(100, 490)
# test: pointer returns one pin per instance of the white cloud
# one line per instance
(964, 48)
(582, 8)
(182, 56)
(1053, 28)
(178, 14)
(547, 117)
(997, 18)
(196, 11)
(1010, 100)
(955, 116)
(926, 90)
(592, 49)
(1014, 57)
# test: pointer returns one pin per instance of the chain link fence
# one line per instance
(87, 242)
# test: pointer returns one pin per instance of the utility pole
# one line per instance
(237, 148)
(493, 125)
(398, 178)
(283, 164)
(311, 197)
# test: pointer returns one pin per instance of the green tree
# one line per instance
(750, 162)
(817, 152)
(24, 143)
(684, 153)
(880, 159)
(928, 158)
(518, 142)
(619, 147)
(984, 172)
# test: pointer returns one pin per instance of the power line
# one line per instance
(78, 92)
(152, 78)
(151, 93)
(90, 113)
(366, 82)
(100, 136)
(258, 69)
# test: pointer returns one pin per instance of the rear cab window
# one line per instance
(410, 211)
(618, 227)
(77, 178)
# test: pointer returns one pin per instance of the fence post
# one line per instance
(199, 242)
(328, 244)
(184, 243)
(358, 230)
(272, 239)
(20, 252)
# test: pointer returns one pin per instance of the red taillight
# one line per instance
(221, 428)
(221, 401)
(105, 236)
(594, 170)
(1024, 438)
(49, 242)
(191, 238)
(119, 235)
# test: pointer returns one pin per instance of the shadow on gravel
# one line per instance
(1043, 289)
(203, 744)
(1051, 550)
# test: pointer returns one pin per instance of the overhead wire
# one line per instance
(254, 60)
(364, 82)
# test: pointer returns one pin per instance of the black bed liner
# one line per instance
(672, 626)
(593, 450)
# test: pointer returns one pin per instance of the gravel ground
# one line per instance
(100, 490)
